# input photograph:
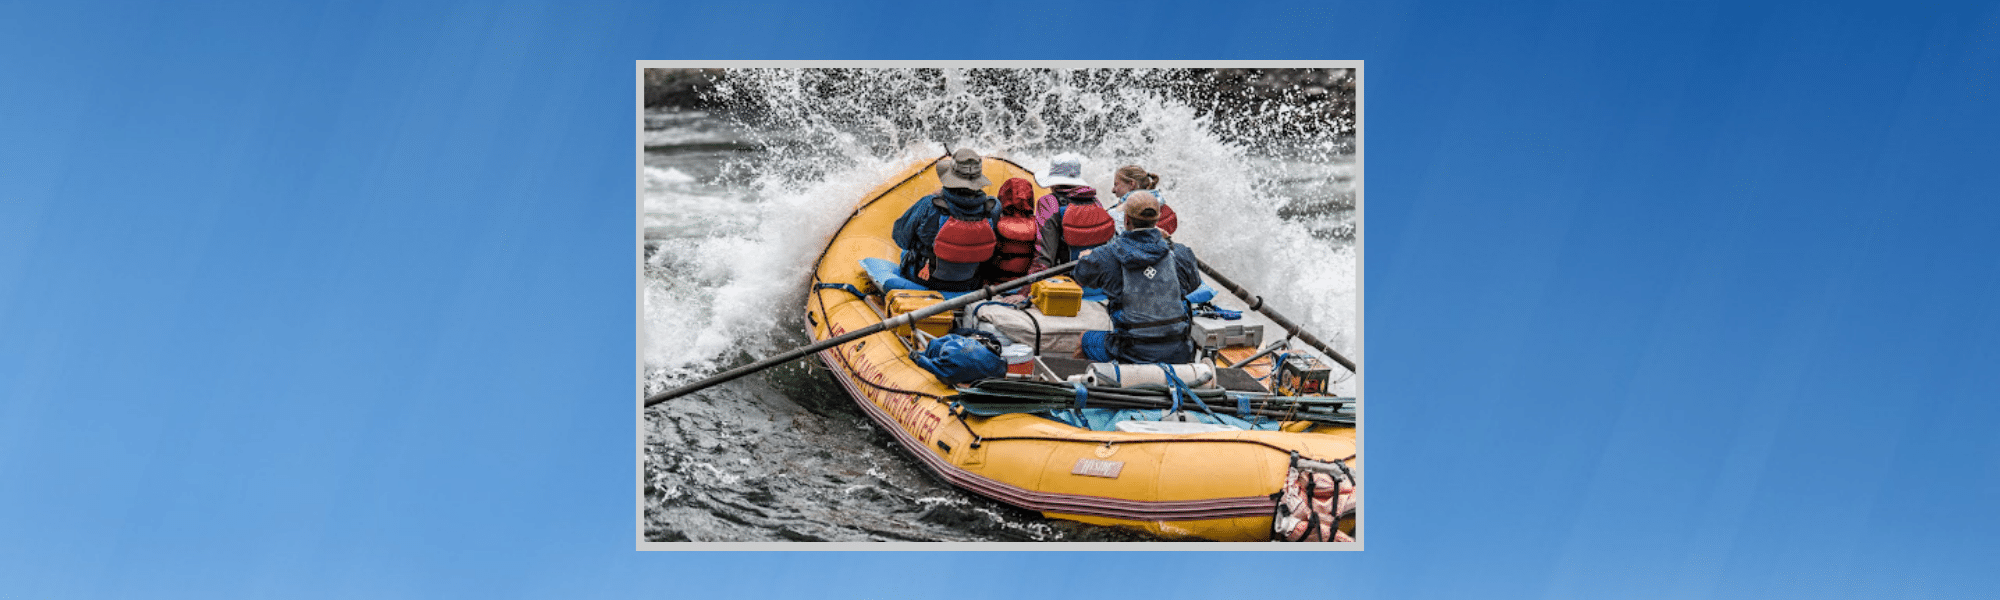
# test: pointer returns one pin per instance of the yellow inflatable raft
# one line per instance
(1216, 485)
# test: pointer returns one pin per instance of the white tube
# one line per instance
(1198, 375)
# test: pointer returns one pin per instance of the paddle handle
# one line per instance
(892, 322)
(1291, 328)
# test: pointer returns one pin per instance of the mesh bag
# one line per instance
(1315, 498)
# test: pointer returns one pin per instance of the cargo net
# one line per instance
(1316, 499)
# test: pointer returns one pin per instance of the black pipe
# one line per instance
(1274, 413)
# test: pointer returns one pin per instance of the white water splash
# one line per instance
(733, 265)
(731, 287)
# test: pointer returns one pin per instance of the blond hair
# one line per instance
(1138, 177)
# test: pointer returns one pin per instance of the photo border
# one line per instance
(639, 273)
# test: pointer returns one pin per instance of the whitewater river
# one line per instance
(735, 209)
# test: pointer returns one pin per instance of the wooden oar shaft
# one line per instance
(892, 322)
(1290, 328)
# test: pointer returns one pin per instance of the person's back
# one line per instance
(1069, 219)
(1146, 278)
(1014, 230)
(1078, 224)
(947, 236)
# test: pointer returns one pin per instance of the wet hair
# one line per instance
(1138, 177)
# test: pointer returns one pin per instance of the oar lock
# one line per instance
(1106, 450)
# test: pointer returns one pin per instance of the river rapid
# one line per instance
(737, 203)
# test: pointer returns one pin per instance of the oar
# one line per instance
(1257, 304)
(909, 318)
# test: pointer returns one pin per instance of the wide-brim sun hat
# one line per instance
(1066, 169)
(964, 171)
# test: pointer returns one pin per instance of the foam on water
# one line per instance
(732, 282)
(660, 178)
(734, 252)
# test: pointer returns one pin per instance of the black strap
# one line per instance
(1135, 339)
(1312, 515)
(849, 288)
(1157, 323)
(1062, 247)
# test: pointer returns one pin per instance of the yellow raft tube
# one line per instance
(1217, 486)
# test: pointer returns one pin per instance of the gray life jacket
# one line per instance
(1152, 307)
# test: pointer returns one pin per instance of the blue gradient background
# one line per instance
(335, 299)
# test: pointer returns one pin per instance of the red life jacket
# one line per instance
(1086, 225)
(1016, 246)
(962, 241)
(1168, 222)
(1014, 251)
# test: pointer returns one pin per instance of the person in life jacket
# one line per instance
(1071, 220)
(946, 236)
(1014, 232)
(1146, 278)
(1134, 178)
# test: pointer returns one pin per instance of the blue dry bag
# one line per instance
(958, 359)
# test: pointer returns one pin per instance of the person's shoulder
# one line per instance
(1107, 253)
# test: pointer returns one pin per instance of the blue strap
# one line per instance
(849, 288)
(1243, 411)
(1209, 310)
(1199, 404)
(1176, 386)
(1277, 362)
(1082, 401)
